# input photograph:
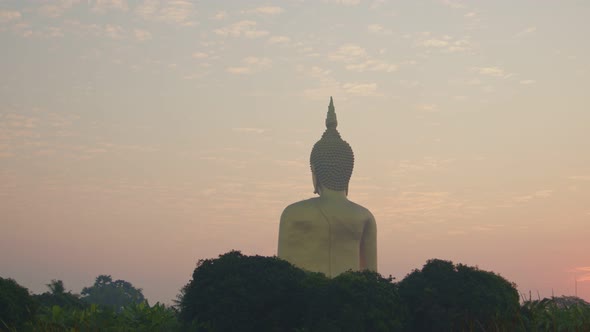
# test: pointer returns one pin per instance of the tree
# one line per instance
(253, 293)
(57, 295)
(115, 294)
(56, 287)
(355, 301)
(444, 297)
(17, 307)
(243, 293)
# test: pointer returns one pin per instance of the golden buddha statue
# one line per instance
(329, 234)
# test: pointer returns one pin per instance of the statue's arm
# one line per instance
(368, 250)
(284, 236)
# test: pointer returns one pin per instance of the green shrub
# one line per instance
(17, 307)
(447, 297)
(252, 293)
(566, 313)
(243, 293)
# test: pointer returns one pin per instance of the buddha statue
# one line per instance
(329, 234)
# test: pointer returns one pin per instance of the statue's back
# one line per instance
(325, 235)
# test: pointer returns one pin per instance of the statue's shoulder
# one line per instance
(302, 207)
(361, 210)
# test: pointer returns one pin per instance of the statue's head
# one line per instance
(331, 158)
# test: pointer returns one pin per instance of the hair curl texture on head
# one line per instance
(332, 159)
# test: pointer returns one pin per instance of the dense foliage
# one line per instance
(353, 301)
(133, 317)
(255, 293)
(16, 304)
(237, 292)
(555, 314)
(447, 297)
(252, 293)
(115, 294)
(59, 310)
(57, 296)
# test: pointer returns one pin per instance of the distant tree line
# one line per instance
(235, 292)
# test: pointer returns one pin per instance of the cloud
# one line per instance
(279, 40)
(348, 53)
(250, 65)
(54, 32)
(543, 193)
(486, 227)
(526, 31)
(329, 86)
(377, 3)
(580, 177)
(427, 107)
(24, 131)
(109, 30)
(316, 73)
(585, 276)
(444, 43)
(537, 194)
(178, 12)
(200, 55)
(434, 43)
(102, 6)
(142, 35)
(248, 130)
(527, 82)
(9, 15)
(357, 59)
(245, 29)
(492, 71)
(267, 10)
(452, 4)
(410, 204)
(426, 164)
(361, 89)
(372, 65)
(378, 30)
(114, 31)
(344, 2)
(57, 8)
(456, 232)
(220, 15)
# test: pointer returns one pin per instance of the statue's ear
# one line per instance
(316, 182)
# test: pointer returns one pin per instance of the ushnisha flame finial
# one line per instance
(331, 120)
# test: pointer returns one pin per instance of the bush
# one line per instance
(444, 297)
(253, 293)
(243, 293)
(133, 317)
(17, 307)
(565, 313)
(355, 302)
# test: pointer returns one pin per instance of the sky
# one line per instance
(137, 137)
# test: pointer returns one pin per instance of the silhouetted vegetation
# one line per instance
(447, 297)
(16, 304)
(253, 293)
(566, 313)
(244, 293)
(235, 292)
(115, 294)
(353, 301)
(57, 296)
